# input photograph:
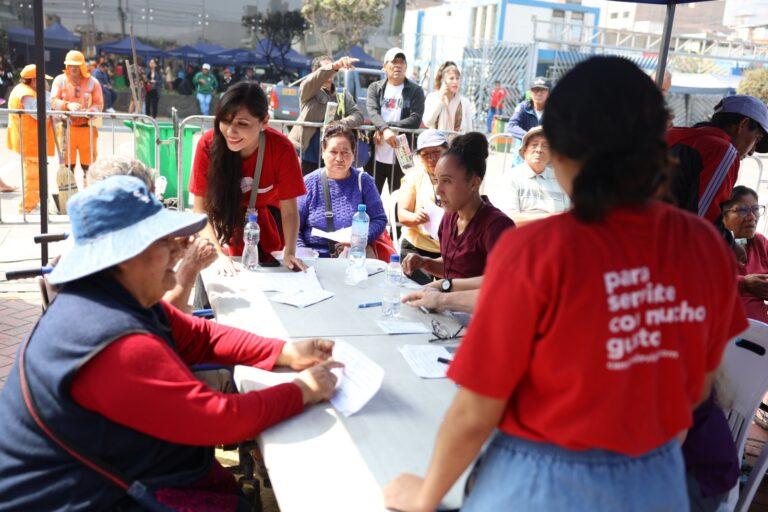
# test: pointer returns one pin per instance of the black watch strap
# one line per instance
(447, 285)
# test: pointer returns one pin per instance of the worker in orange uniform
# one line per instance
(21, 135)
(77, 91)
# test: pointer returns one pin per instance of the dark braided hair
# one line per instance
(470, 151)
(607, 114)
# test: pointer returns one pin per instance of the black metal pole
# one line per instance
(661, 65)
(42, 121)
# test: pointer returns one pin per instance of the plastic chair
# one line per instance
(746, 368)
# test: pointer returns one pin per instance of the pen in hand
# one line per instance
(444, 360)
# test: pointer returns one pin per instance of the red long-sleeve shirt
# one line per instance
(138, 381)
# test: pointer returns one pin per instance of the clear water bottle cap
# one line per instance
(253, 217)
(394, 258)
(361, 208)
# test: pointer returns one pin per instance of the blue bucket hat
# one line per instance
(113, 221)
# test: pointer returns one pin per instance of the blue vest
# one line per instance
(35, 473)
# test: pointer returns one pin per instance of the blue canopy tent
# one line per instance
(58, 40)
(123, 47)
(270, 52)
(208, 50)
(187, 53)
(239, 57)
(661, 66)
(364, 60)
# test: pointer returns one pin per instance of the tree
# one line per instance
(755, 83)
(278, 30)
(349, 20)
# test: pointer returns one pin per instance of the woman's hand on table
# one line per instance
(757, 285)
(412, 263)
(402, 493)
(317, 383)
(303, 354)
(427, 297)
(293, 262)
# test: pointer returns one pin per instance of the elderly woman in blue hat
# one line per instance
(101, 410)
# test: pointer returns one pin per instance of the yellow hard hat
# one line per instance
(30, 71)
(75, 58)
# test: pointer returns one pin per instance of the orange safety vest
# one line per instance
(25, 124)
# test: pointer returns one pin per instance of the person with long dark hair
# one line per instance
(621, 300)
(222, 180)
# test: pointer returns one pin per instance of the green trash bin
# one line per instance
(145, 151)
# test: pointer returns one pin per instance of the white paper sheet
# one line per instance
(361, 379)
(435, 217)
(342, 236)
(248, 378)
(302, 298)
(396, 326)
(288, 282)
(423, 360)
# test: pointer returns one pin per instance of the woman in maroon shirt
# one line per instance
(740, 215)
(471, 224)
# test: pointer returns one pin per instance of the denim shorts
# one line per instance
(516, 474)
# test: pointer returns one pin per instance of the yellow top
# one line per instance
(418, 180)
(21, 135)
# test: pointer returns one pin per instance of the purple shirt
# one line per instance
(345, 196)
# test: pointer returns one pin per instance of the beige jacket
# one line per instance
(313, 100)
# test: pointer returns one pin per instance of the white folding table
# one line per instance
(319, 459)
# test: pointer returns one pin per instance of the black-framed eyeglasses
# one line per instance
(742, 211)
(442, 333)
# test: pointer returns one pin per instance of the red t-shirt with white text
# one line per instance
(600, 335)
(280, 179)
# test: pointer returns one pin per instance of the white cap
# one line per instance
(206, 66)
(393, 53)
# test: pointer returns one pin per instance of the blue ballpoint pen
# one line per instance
(368, 305)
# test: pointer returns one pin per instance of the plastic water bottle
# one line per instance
(359, 240)
(251, 236)
(390, 303)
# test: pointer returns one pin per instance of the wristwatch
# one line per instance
(446, 286)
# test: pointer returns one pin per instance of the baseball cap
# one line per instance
(750, 107)
(541, 83)
(206, 66)
(431, 138)
(393, 53)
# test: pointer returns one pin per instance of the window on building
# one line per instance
(626, 14)
(614, 15)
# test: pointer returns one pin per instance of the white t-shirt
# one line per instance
(391, 109)
(538, 113)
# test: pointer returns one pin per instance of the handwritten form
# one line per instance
(358, 381)
(397, 326)
(423, 360)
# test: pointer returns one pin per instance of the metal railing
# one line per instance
(66, 118)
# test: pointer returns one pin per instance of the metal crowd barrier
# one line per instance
(284, 127)
(65, 117)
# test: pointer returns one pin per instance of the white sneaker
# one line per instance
(110, 110)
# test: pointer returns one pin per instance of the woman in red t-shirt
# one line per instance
(471, 224)
(222, 178)
(596, 331)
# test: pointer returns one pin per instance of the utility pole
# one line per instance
(89, 9)
(121, 16)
